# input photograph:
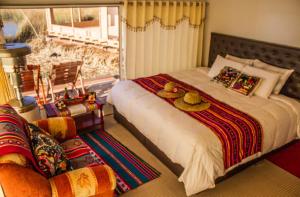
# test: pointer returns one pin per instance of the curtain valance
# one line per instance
(138, 15)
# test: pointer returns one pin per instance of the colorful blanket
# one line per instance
(13, 138)
(239, 133)
(98, 147)
(72, 110)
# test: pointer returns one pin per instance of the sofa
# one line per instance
(33, 163)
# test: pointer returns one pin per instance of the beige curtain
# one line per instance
(6, 91)
(161, 36)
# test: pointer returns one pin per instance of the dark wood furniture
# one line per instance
(32, 81)
(279, 55)
(65, 73)
(85, 121)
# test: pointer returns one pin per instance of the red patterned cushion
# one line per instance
(227, 75)
(245, 84)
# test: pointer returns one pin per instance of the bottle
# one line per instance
(66, 96)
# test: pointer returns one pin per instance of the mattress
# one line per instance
(193, 145)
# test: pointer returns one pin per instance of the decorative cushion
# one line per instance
(79, 153)
(16, 180)
(89, 181)
(220, 63)
(284, 74)
(245, 84)
(268, 82)
(240, 60)
(61, 128)
(49, 155)
(227, 75)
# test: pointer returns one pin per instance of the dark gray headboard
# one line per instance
(278, 55)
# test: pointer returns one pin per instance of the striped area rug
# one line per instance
(131, 171)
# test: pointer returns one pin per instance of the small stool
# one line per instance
(87, 116)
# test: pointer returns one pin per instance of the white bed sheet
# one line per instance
(191, 144)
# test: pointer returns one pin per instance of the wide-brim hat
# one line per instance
(191, 102)
(168, 92)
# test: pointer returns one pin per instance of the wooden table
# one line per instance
(87, 116)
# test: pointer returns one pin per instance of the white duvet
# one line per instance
(193, 145)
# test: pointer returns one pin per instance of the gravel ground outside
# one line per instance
(97, 62)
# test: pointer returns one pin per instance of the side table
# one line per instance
(87, 116)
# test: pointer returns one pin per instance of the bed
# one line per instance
(190, 149)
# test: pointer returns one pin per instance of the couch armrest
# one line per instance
(88, 181)
(61, 128)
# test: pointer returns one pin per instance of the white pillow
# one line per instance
(220, 63)
(269, 80)
(240, 60)
(284, 73)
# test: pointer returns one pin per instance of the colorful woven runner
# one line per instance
(98, 147)
(239, 133)
(71, 110)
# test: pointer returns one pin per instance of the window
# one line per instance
(90, 34)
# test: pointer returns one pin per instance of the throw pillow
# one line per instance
(49, 155)
(16, 180)
(88, 181)
(245, 84)
(220, 63)
(227, 75)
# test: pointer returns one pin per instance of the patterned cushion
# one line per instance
(79, 153)
(49, 154)
(227, 75)
(89, 181)
(245, 84)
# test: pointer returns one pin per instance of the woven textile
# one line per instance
(13, 139)
(98, 147)
(239, 133)
(71, 110)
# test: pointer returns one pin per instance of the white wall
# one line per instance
(276, 21)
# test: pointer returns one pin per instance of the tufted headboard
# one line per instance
(277, 55)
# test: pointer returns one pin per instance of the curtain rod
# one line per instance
(37, 6)
(68, 5)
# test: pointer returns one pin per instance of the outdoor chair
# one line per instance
(32, 81)
(65, 73)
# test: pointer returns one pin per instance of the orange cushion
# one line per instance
(61, 128)
(16, 180)
(89, 181)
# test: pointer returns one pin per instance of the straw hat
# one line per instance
(191, 102)
(171, 91)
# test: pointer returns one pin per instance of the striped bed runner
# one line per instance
(239, 133)
(98, 147)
